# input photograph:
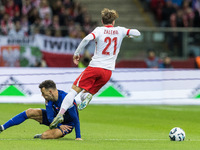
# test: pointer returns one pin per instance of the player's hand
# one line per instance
(66, 128)
(76, 59)
(78, 139)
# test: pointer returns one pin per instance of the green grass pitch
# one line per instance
(109, 127)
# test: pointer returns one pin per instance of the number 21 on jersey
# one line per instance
(108, 40)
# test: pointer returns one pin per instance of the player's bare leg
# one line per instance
(50, 134)
(35, 114)
(55, 133)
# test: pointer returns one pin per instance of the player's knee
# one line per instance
(30, 112)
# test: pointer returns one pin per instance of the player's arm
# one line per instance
(50, 111)
(81, 46)
(77, 128)
(133, 33)
(75, 119)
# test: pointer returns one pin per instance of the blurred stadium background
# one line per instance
(169, 28)
(37, 42)
(38, 39)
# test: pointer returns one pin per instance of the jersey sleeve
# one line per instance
(95, 32)
(133, 33)
(83, 43)
(93, 35)
(73, 114)
(50, 111)
(77, 130)
(130, 32)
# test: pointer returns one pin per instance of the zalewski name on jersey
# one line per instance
(110, 32)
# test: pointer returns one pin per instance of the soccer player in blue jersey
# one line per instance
(53, 100)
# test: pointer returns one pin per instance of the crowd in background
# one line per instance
(57, 18)
(61, 18)
(176, 13)
(153, 61)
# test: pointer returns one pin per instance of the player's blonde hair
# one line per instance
(108, 16)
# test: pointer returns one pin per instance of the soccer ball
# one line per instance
(177, 134)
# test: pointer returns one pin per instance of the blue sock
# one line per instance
(18, 119)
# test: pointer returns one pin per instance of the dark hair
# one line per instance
(47, 84)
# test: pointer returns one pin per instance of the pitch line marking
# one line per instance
(16, 139)
(104, 140)
(134, 139)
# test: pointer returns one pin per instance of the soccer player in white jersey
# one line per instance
(108, 40)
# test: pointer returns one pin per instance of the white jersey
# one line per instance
(108, 41)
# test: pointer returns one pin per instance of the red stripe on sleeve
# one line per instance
(128, 32)
(93, 35)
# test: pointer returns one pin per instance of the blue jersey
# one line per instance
(71, 115)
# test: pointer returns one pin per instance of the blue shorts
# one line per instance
(47, 123)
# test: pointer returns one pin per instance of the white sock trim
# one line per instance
(72, 90)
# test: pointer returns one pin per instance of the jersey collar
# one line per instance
(109, 26)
